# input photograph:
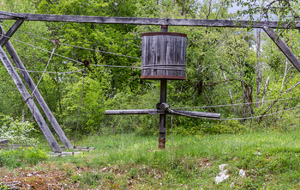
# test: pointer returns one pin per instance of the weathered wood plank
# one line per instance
(135, 112)
(156, 111)
(197, 114)
(4, 141)
(163, 56)
(283, 47)
(30, 103)
(10, 32)
(145, 21)
(37, 94)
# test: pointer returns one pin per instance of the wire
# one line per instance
(228, 105)
(254, 117)
(116, 66)
(66, 72)
(228, 119)
(71, 58)
(100, 51)
(78, 46)
(44, 69)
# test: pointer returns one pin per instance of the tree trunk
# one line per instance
(229, 92)
(258, 66)
(264, 92)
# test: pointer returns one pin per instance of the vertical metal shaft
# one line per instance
(163, 99)
(162, 119)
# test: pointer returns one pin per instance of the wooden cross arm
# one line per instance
(134, 112)
(147, 21)
(157, 111)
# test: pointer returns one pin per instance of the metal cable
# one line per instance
(90, 49)
(228, 119)
(81, 63)
(228, 105)
(44, 69)
(254, 117)
(101, 51)
(53, 72)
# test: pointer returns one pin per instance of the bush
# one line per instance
(16, 131)
(230, 126)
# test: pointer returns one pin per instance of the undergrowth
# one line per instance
(269, 157)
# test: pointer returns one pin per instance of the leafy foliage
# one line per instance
(16, 131)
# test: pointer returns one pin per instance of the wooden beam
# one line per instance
(156, 111)
(134, 112)
(145, 21)
(283, 47)
(37, 94)
(29, 101)
(10, 32)
(197, 114)
(4, 141)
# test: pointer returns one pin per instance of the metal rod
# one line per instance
(162, 117)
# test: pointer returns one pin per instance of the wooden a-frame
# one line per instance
(267, 26)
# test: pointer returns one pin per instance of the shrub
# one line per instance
(16, 131)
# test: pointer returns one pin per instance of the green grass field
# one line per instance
(270, 159)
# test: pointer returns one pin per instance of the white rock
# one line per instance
(242, 173)
(222, 166)
(258, 153)
(222, 176)
(232, 185)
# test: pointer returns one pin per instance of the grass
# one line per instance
(270, 159)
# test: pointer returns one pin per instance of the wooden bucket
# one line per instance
(163, 56)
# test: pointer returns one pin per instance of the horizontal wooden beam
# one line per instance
(4, 141)
(156, 111)
(134, 112)
(145, 21)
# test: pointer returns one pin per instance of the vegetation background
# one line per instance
(240, 68)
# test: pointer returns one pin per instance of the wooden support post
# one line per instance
(29, 101)
(37, 94)
(162, 118)
(283, 47)
(10, 32)
(163, 99)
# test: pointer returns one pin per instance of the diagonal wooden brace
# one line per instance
(30, 103)
(283, 47)
(6, 36)
(37, 94)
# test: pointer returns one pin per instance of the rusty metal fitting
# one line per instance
(164, 28)
(161, 143)
(86, 62)
(162, 106)
(56, 41)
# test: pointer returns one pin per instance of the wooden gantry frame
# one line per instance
(267, 26)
